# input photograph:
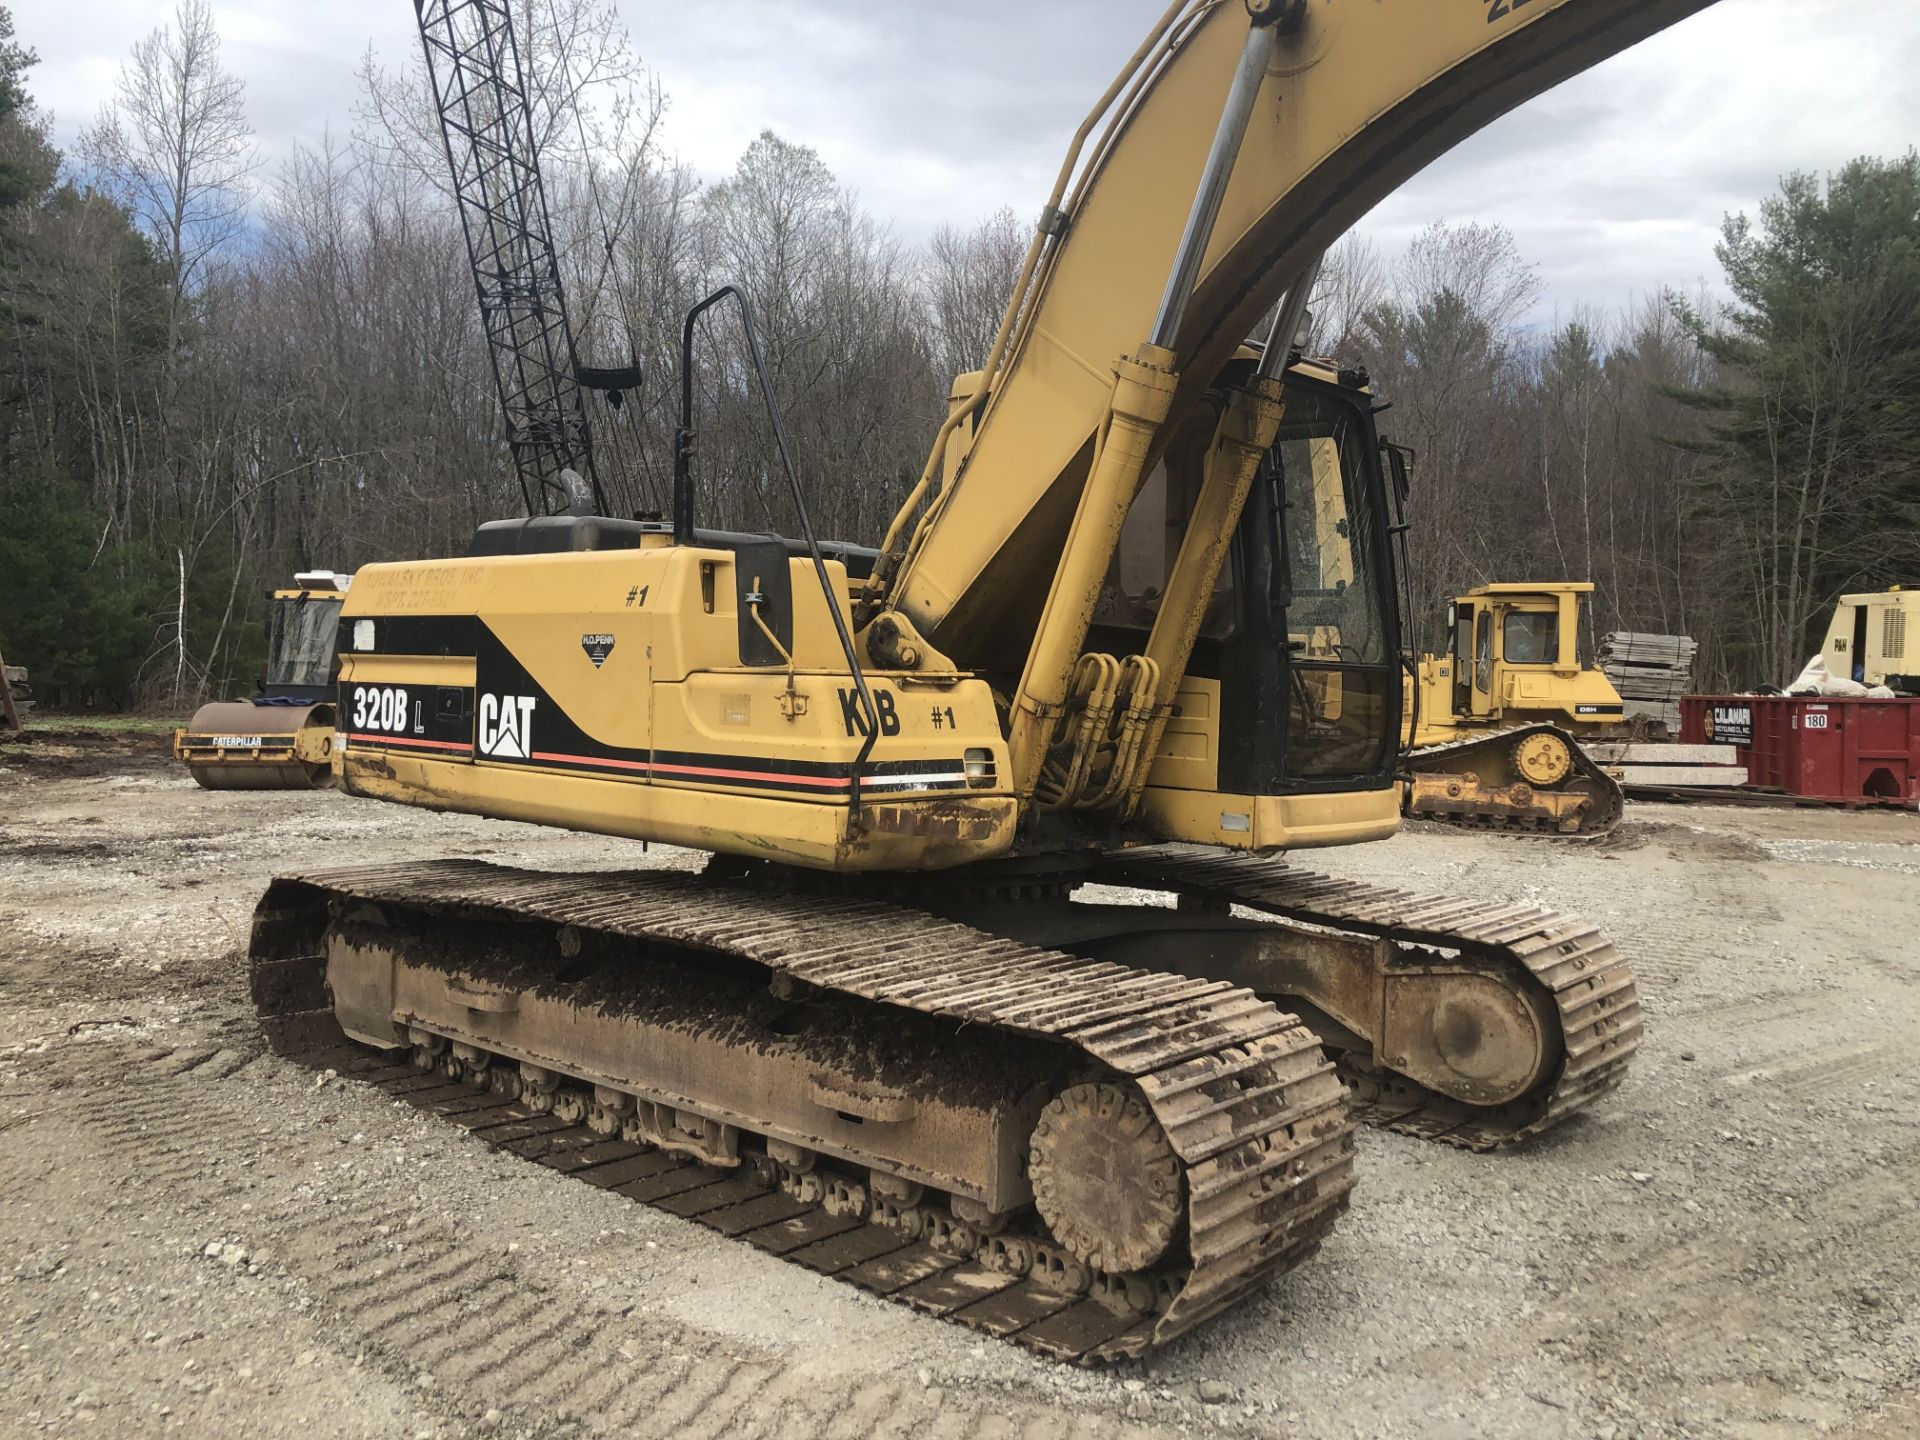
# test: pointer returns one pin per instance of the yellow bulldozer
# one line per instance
(1493, 727)
(1134, 628)
(283, 737)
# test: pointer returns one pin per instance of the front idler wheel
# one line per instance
(1105, 1179)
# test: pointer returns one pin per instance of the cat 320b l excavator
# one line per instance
(1132, 631)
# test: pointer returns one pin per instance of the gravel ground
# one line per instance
(197, 1239)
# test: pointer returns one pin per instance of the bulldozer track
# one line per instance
(1250, 1104)
(1599, 819)
(1591, 984)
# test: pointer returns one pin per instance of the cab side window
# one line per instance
(1527, 637)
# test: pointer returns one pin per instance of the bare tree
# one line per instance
(589, 92)
(1353, 280)
(1574, 456)
(844, 326)
(175, 147)
(1442, 348)
(970, 277)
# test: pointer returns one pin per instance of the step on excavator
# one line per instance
(995, 998)
(282, 737)
(1494, 727)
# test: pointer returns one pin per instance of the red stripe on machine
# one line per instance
(407, 741)
(695, 772)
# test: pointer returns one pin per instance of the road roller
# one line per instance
(283, 737)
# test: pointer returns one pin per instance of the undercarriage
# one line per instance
(1532, 778)
(1081, 1124)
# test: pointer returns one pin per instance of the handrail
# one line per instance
(1399, 460)
(683, 530)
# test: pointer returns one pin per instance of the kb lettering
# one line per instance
(854, 716)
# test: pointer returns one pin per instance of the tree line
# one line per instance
(220, 373)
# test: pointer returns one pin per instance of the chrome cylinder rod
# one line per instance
(1234, 117)
(1287, 321)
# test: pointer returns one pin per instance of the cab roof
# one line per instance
(1538, 587)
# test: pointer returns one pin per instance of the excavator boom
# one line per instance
(1353, 99)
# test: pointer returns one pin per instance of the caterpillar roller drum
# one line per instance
(284, 737)
(1001, 994)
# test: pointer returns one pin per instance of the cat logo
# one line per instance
(506, 726)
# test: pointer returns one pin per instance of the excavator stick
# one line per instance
(1532, 778)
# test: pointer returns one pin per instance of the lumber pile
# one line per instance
(1651, 672)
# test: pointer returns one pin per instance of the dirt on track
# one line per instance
(198, 1239)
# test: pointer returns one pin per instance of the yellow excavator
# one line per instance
(1493, 727)
(1131, 636)
(282, 738)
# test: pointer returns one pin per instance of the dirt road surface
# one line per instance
(198, 1239)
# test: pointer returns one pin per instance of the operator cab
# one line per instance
(303, 628)
(1294, 686)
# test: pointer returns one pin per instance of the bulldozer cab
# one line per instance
(1508, 640)
(1513, 657)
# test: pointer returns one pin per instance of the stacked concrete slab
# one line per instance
(1651, 672)
(1653, 767)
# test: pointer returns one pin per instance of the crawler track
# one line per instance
(1591, 985)
(1253, 1110)
(1603, 812)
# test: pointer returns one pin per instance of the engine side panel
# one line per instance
(613, 692)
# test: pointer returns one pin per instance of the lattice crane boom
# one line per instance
(486, 120)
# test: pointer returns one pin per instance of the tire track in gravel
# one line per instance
(1653, 1308)
(427, 1295)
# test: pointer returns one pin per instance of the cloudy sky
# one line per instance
(1615, 184)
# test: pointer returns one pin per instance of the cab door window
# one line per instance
(1342, 669)
(1529, 637)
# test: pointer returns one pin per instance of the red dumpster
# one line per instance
(1822, 749)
